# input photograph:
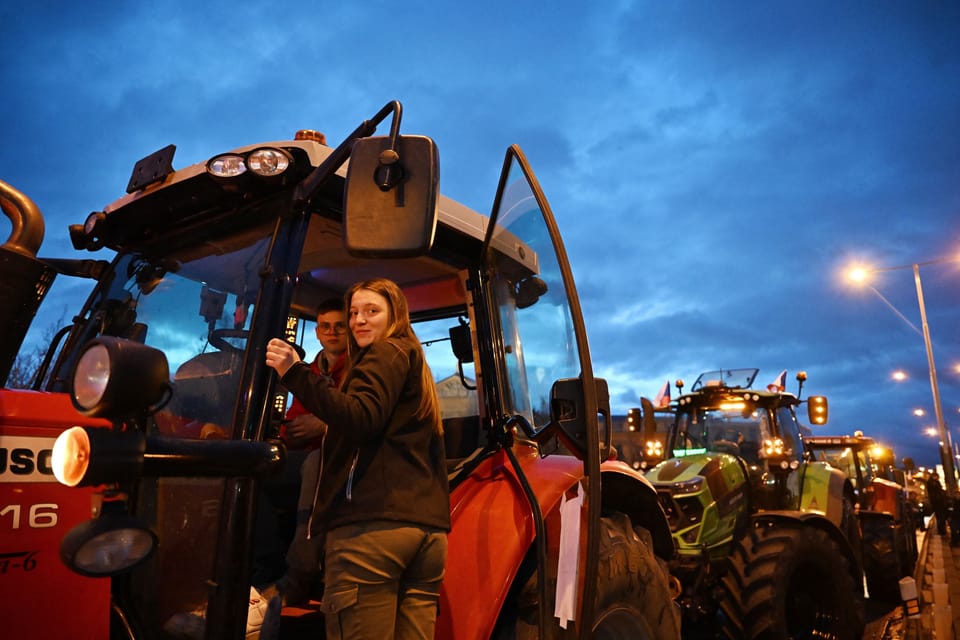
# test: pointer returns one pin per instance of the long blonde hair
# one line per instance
(399, 326)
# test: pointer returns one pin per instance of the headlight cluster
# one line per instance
(773, 448)
(265, 161)
(654, 449)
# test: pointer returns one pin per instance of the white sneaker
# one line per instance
(191, 626)
(258, 608)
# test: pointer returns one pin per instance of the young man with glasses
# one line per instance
(303, 430)
(303, 434)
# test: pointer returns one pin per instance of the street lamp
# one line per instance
(861, 275)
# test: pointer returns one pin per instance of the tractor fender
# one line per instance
(823, 490)
(626, 490)
(492, 533)
(817, 520)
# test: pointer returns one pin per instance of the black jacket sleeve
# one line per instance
(369, 394)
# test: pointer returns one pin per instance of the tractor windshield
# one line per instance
(195, 307)
(846, 459)
(738, 429)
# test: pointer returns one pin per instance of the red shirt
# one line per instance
(333, 375)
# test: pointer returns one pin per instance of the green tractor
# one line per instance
(768, 543)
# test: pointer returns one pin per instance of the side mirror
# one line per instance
(817, 410)
(390, 200)
(461, 343)
(569, 417)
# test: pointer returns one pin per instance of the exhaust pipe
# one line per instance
(24, 280)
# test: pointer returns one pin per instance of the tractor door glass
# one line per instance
(537, 327)
(790, 432)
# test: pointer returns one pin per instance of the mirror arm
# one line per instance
(463, 378)
(309, 185)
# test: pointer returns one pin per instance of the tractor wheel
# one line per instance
(882, 560)
(790, 582)
(633, 593)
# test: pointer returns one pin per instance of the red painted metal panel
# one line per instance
(35, 513)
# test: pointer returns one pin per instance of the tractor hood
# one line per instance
(703, 495)
(690, 467)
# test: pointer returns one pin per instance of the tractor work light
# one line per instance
(107, 545)
(228, 165)
(268, 162)
(264, 161)
(117, 379)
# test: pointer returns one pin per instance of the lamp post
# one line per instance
(946, 447)
(860, 274)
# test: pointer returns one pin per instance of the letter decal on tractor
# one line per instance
(17, 561)
(26, 459)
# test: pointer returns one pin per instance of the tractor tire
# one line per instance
(633, 593)
(883, 560)
(789, 582)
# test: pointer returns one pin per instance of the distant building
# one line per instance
(455, 399)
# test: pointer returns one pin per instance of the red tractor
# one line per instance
(154, 403)
(887, 520)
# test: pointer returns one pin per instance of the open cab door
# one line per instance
(547, 382)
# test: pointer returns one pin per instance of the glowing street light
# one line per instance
(861, 275)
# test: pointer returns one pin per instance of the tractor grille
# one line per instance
(682, 512)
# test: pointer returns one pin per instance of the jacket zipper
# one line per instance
(353, 468)
(316, 489)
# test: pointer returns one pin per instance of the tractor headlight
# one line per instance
(773, 448)
(107, 545)
(118, 378)
(686, 487)
(654, 449)
(91, 377)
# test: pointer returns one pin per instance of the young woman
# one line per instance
(382, 499)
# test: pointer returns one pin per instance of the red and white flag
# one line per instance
(779, 383)
(663, 396)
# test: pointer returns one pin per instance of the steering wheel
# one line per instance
(725, 446)
(218, 337)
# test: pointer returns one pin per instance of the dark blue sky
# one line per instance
(713, 165)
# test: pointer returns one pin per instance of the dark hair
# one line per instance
(330, 304)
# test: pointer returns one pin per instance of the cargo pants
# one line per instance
(382, 580)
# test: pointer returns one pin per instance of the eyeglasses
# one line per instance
(336, 327)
